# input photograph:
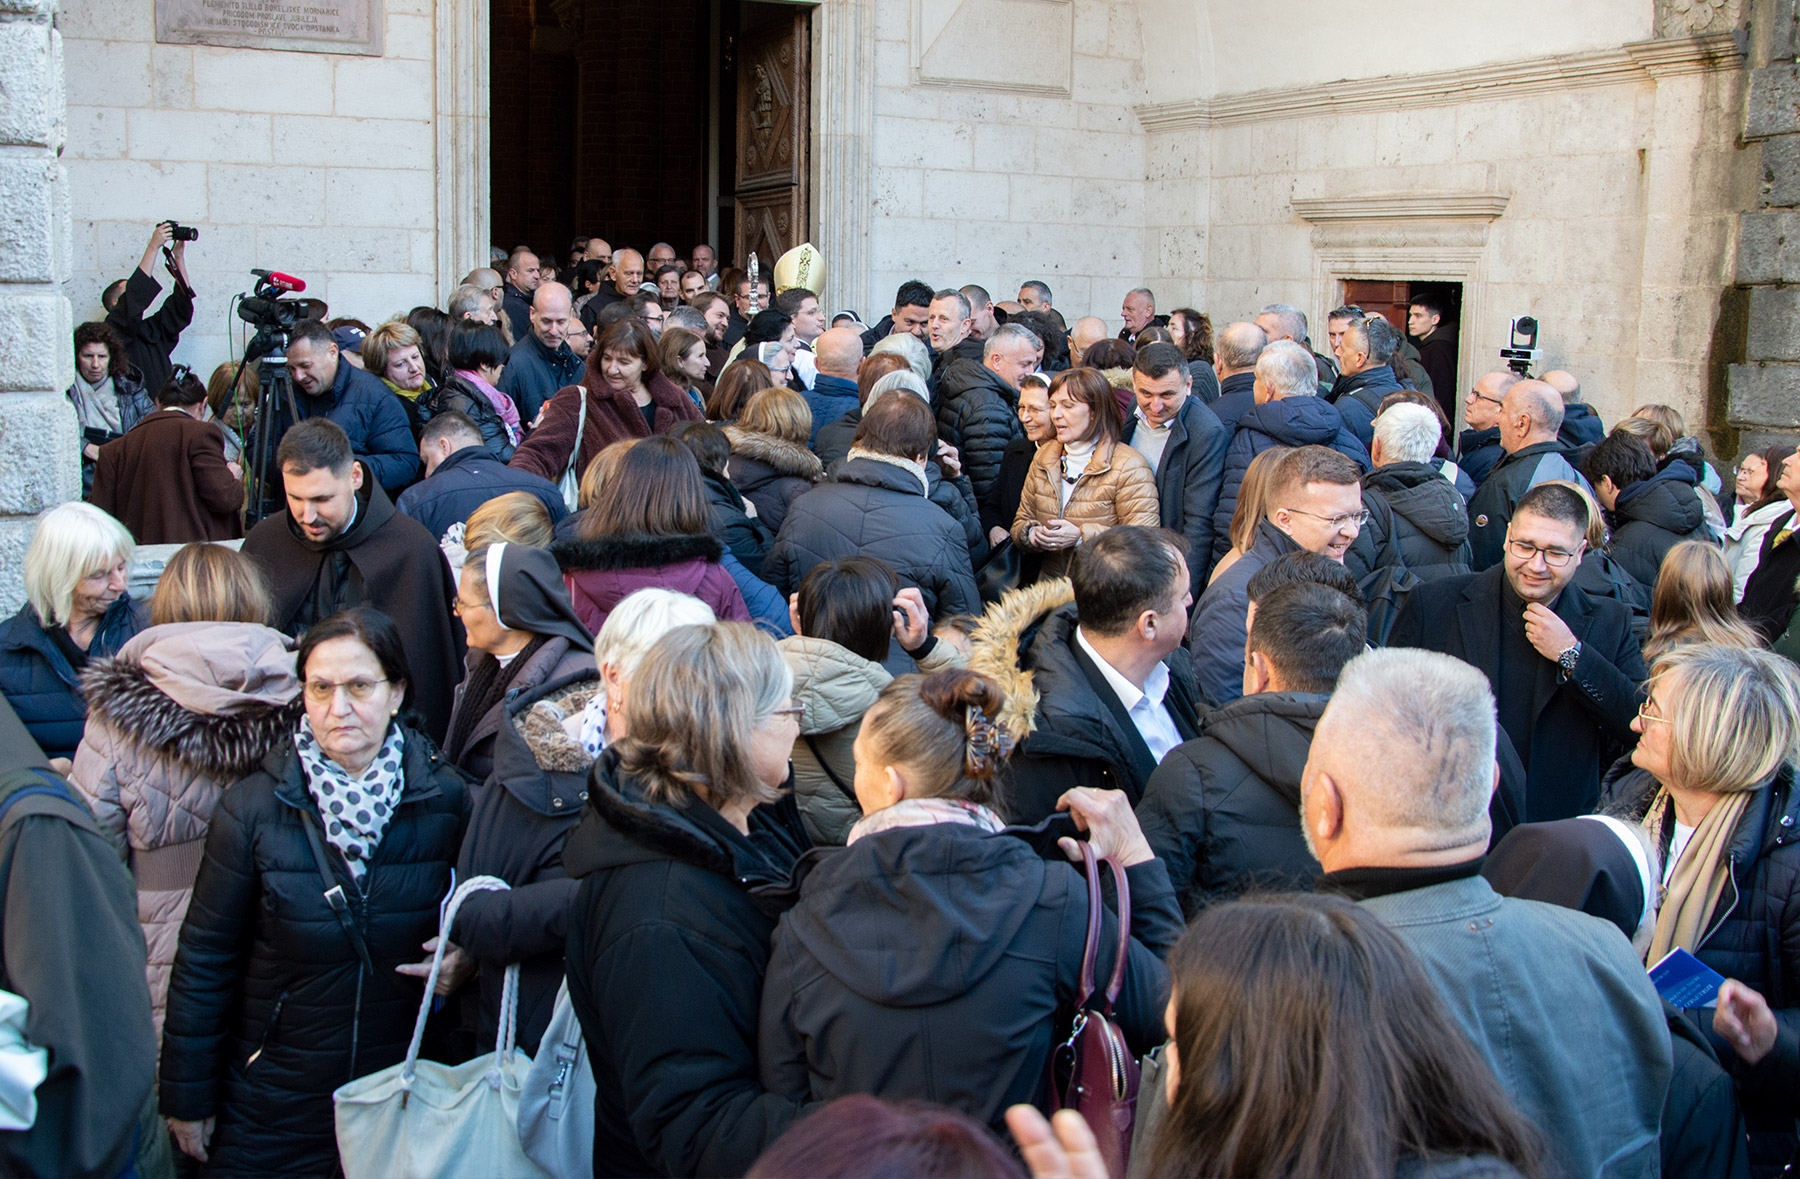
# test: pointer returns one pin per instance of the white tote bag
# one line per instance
(423, 1120)
(570, 486)
(23, 1067)
(556, 1111)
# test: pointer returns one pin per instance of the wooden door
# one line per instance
(1388, 299)
(774, 128)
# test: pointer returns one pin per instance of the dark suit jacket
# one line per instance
(1579, 725)
(1188, 481)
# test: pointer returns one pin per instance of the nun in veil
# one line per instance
(523, 632)
(536, 780)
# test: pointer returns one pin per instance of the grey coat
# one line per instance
(1560, 1006)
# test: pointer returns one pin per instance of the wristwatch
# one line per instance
(1568, 659)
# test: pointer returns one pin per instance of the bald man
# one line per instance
(838, 352)
(542, 361)
(1581, 425)
(1531, 414)
(1088, 331)
(1235, 352)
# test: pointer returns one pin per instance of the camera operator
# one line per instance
(325, 385)
(149, 339)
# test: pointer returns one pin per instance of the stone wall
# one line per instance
(38, 440)
(322, 165)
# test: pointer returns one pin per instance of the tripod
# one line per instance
(275, 394)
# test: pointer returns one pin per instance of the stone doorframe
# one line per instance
(1440, 237)
(843, 140)
(464, 202)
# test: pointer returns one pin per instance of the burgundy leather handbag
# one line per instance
(1093, 1072)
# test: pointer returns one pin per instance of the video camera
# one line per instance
(265, 307)
(1523, 354)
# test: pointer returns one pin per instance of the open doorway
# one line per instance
(650, 120)
(1433, 356)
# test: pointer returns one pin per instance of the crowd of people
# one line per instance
(800, 675)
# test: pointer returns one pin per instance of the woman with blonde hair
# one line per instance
(185, 709)
(1712, 780)
(684, 858)
(1083, 481)
(1693, 602)
(1252, 506)
(770, 464)
(395, 352)
(77, 608)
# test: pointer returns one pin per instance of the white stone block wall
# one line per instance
(321, 165)
(38, 440)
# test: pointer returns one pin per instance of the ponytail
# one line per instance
(943, 728)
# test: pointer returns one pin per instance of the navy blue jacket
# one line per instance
(1237, 394)
(466, 480)
(1289, 421)
(1581, 426)
(372, 415)
(534, 374)
(1358, 398)
(1188, 479)
(830, 398)
(1478, 452)
(38, 681)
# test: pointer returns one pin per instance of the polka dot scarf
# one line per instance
(355, 811)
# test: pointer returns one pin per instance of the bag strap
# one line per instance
(334, 892)
(1124, 947)
(1096, 907)
(509, 989)
(1091, 866)
(54, 787)
(829, 772)
(580, 429)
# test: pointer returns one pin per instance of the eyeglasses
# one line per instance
(1478, 395)
(1524, 550)
(319, 691)
(791, 710)
(458, 605)
(1649, 718)
(1336, 522)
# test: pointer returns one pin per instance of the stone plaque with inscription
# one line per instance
(317, 26)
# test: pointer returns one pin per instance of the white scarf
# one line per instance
(356, 812)
(926, 812)
(98, 405)
(917, 469)
(1075, 459)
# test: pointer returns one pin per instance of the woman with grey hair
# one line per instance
(1712, 780)
(76, 609)
(909, 347)
(684, 858)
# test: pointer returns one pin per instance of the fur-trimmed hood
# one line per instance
(211, 698)
(1005, 630)
(778, 454)
(538, 756)
(633, 551)
(545, 724)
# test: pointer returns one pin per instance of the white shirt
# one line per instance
(1677, 844)
(1150, 440)
(1154, 724)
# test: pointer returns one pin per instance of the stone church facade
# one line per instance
(1627, 171)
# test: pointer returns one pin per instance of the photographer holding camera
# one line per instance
(149, 339)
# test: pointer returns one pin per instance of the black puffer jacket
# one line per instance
(978, 413)
(668, 941)
(1653, 516)
(518, 821)
(269, 1007)
(770, 472)
(965, 946)
(1478, 452)
(742, 533)
(1358, 398)
(459, 395)
(1223, 810)
(1754, 938)
(1417, 519)
(955, 495)
(876, 508)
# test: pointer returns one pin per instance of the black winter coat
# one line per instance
(1188, 482)
(1754, 938)
(745, 535)
(955, 495)
(668, 942)
(1289, 421)
(1770, 595)
(1079, 734)
(1001, 505)
(1417, 520)
(457, 394)
(1653, 516)
(270, 1008)
(978, 413)
(463, 482)
(771, 473)
(1237, 396)
(1478, 452)
(1223, 810)
(1358, 397)
(877, 509)
(965, 945)
(40, 684)
(1513, 476)
(1581, 426)
(518, 821)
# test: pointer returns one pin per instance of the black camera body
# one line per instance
(182, 233)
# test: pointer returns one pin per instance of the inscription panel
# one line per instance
(315, 26)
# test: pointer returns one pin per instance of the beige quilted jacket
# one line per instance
(1118, 487)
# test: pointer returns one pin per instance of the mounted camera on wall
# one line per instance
(1523, 353)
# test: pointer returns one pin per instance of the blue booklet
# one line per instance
(1686, 981)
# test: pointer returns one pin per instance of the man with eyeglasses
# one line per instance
(1530, 416)
(1315, 503)
(341, 543)
(1478, 449)
(1565, 667)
